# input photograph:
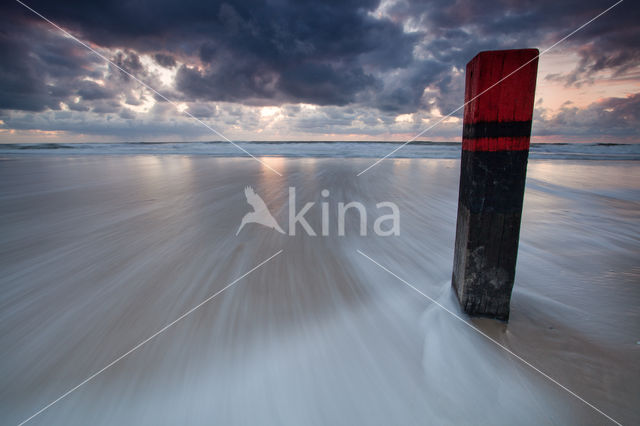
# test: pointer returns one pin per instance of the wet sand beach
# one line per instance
(99, 252)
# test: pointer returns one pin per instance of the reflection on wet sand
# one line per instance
(98, 253)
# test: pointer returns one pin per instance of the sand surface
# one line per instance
(97, 253)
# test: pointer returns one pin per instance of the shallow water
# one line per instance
(99, 252)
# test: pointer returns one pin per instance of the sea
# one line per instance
(293, 149)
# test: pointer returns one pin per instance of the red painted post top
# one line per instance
(500, 118)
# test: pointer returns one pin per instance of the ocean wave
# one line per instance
(19, 146)
(298, 149)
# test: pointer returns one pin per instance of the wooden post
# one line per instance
(495, 148)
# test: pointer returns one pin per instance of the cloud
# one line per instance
(368, 60)
(256, 52)
(22, 85)
(90, 91)
(609, 117)
(165, 60)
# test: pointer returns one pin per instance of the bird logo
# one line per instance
(260, 213)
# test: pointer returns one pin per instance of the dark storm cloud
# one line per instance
(21, 74)
(40, 69)
(294, 52)
(165, 60)
(130, 62)
(90, 91)
(330, 52)
(396, 57)
(291, 51)
(403, 92)
(460, 29)
(202, 110)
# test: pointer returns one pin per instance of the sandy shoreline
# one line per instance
(100, 252)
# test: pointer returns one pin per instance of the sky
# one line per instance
(306, 70)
